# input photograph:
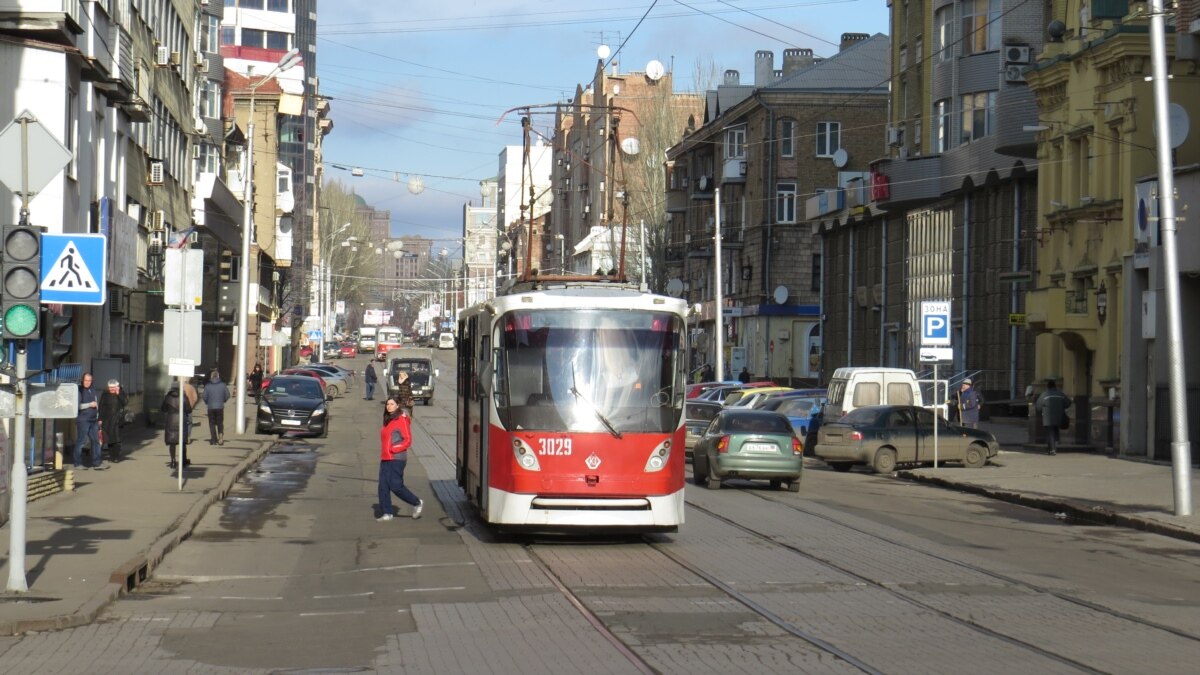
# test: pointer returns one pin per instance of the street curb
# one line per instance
(137, 569)
(1090, 513)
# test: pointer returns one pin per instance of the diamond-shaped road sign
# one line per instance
(47, 156)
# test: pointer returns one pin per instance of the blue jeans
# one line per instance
(88, 430)
(370, 391)
(391, 481)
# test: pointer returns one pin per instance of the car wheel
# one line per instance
(975, 457)
(333, 389)
(699, 470)
(794, 486)
(841, 467)
(885, 460)
(714, 481)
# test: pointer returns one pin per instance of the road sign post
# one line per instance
(935, 344)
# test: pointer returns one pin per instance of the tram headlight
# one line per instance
(525, 456)
(658, 458)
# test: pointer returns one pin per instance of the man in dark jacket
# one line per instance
(1053, 405)
(216, 393)
(112, 411)
(370, 378)
(173, 404)
(966, 403)
(87, 424)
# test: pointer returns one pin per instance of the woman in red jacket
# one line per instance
(395, 438)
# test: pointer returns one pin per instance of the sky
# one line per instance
(420, 94)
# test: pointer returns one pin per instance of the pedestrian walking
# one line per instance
(370, 378)
(966, 402)
(171, 405)
(87, 425)
(1053, 406)
(404, 392)
(111, 410)
(706, 373)
(255, 380)
(744, 376)
(216, 393)
(395, 440)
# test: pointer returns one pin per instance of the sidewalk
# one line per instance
(1084, 485)
(87, 547)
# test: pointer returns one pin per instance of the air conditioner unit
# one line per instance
(1014, 73)
(201, 63)
(157, 172)
(893, 135)
(116, 301)
(1017, 54)
(162, 56)
(158, 220)
(154, 245)
(176, 59)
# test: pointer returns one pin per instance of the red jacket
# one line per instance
(395, 438)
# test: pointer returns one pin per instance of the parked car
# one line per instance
(798, 409)
(340, 378)
(746, 398)
(294, 404)
(695, 389)
(330, 388)
(885, 436)
(752, 444)
(696, 417)
(332, 350)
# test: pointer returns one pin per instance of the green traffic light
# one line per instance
(20, 320)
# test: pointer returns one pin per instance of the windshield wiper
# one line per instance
(579, 395)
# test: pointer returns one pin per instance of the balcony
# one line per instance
(1058, 309)
(56, 21)
(911, 182)
(829, 201)
(734, 170)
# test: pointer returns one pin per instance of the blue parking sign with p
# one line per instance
(935, 324)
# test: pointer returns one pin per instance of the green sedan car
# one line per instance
(751, 444)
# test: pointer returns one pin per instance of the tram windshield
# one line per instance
(590, 371)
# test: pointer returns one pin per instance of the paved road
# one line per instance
(858, 572)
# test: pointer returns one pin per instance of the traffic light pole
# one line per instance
(20, 473)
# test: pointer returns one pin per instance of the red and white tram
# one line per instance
(570, 408)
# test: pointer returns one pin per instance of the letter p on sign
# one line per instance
(935, 324)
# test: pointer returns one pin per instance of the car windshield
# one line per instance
(756, 424)
(702, 413)
(297, 387)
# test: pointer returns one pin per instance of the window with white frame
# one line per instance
(208, 159)
(978, 111)
(785, 203)
(212, 34)
(943, 35)
(210, 100)
(980, 26)
(735, 143)
(941, 125)
(787, 138)
(829, 138)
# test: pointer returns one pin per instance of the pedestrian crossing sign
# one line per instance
(74, 269)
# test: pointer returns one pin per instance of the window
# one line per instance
(829, 138)
(785, 203)
(787, 138)
(277, 5)
(252, 37)
(941, 125)
(816, 272)
(250, 4)
(211, 37)
(277, 40)
(943, 33)
(209, 159)
(72, 134)
(735, 143)
(228, 35)
(977, 116)
(210, 100)
(980, 26)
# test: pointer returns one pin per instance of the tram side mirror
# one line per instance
(1029, 392)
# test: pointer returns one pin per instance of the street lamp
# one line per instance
(562, 253)
(290, 59)
(325, 283)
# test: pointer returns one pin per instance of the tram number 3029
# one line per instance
(554, 446)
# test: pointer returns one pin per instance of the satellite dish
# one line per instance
(603, 51)
(547, 197)
(703, 183)
(416, 185)
(655, 70)
(616, 90)
(675, 287)
(1177, 117)
(631, 146)
(781, 295)
(840, 158)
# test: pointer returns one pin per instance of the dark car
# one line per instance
(696, 417)
(884, 436)
(752, 444)
(293, 404)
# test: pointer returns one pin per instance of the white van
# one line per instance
(446, 341)
(859, 387)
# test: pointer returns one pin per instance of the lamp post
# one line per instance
(562, 253)
(289, 60)
(325, 284)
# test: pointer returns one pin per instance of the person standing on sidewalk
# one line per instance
(173, 404)
(87, 424)
(1053, 405)
(369, 378)
(112, 411)
(967, 402)
(216, 393)
(254, 381)
(395, 439)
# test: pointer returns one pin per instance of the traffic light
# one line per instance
(20, 294)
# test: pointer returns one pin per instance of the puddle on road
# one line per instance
(283, 472)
